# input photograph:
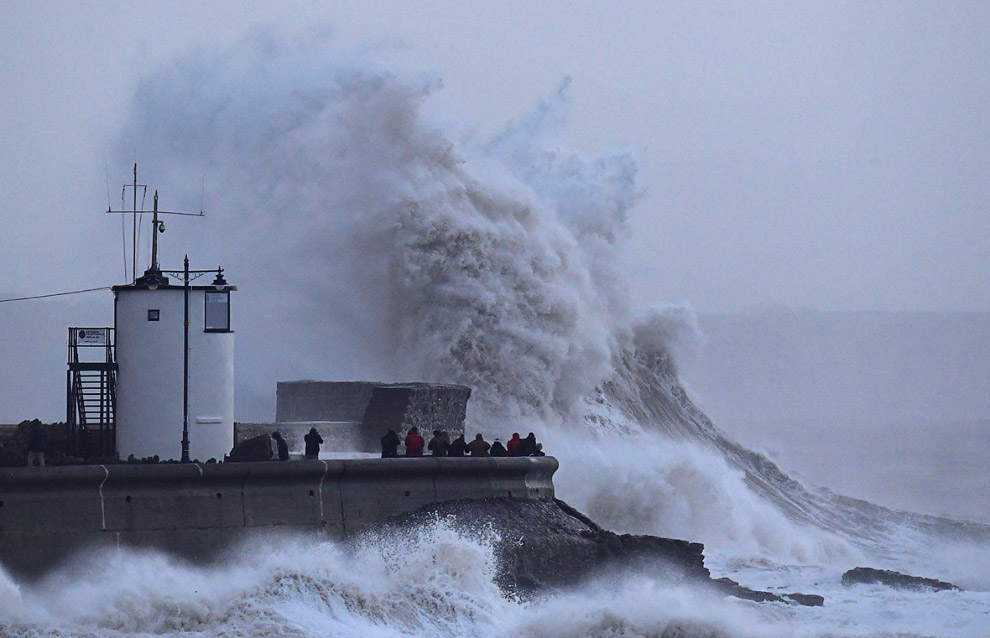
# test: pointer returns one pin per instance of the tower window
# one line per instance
(217, 311)
(153, 314)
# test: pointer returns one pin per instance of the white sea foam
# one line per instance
(437, 581)
(679, 489)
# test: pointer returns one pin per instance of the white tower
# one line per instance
(175, 358)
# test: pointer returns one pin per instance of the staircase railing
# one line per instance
(91, 387)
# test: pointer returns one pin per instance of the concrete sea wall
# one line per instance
(196, 510)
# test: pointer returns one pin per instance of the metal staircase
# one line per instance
(91, 393)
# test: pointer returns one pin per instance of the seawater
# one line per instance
(438, 581)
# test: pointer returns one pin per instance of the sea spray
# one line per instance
(391, 250)
(681, 490)
(430, 580)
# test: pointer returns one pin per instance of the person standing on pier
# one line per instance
(37, 442)
(313, 441)
(457, 446)
(512, 447)
(479, 446)
(414, 442)
(438, 444)
(390, 445)
(282, 446)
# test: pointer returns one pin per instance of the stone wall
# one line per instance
(339, 406)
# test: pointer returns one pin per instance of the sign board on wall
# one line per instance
(92, 336)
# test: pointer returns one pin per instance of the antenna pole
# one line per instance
(154, 235)
(157, 226)
(134, 229)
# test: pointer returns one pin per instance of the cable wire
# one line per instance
(55, 294)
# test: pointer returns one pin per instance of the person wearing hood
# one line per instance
(512, 447)
(479, 446)
(414, 442)
(528, 445)
(313, 441)
(497, 449)
(390, 445)
(457, 446)
(438, 444)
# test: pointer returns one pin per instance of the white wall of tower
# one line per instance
(149, 377)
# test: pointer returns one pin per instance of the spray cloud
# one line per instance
(390, 250)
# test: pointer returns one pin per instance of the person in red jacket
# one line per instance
(512, 446)
(414, 443)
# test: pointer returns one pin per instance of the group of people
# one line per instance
(441, 445)
(280, 449)
(415, 445)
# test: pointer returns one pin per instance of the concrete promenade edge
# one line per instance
(196, 510)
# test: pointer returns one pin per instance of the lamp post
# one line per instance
(219, 283)
(185, 361)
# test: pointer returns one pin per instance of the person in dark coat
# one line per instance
(497, 449)
(438, 444)
(457, 446)
(414, 442)
(37, 442)
(390, 445)
(283, 447)
(528, 445)
(313, 441)
(479, 446)
(512, 447)
(539, 450)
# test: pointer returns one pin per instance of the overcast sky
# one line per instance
(808, 155)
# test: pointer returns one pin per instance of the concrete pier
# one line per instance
(196, 510)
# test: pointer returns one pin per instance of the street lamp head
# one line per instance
(152, 279)
(219, 282)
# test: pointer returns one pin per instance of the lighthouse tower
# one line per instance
(175, 362)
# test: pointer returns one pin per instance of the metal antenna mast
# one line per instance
(134, 213)
(157, 226)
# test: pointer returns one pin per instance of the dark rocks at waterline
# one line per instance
(257, 448)
(870, 576)
(546, 545)
(732, 588)
(542, 545)
(808, 600)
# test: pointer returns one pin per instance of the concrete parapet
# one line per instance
(195, 510)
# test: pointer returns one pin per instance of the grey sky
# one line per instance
(820, 155)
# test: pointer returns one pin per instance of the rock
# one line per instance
(549, 544)
(257, 448)
(869, 576)
(545, 546)
(732, 588)
(808, 600)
